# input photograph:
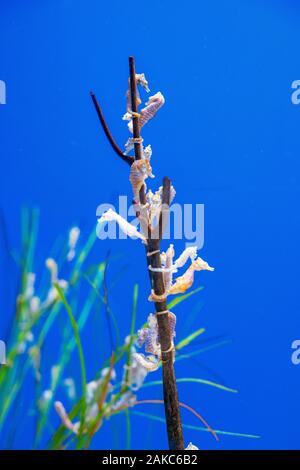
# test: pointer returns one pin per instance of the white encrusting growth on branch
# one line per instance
(127, 228)
(191, 447)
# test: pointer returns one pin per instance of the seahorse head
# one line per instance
(200, 265)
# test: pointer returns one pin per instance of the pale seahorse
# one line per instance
(140, 170)
(140, 80)
(149, 335)
(183, 283)
(154, 103)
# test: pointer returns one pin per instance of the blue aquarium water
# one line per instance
(228, 137)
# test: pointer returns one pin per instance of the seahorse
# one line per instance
(154, 201)
(168, 273)
(182, 283)
(154, 103)
(153, 205)
(140, 170)
(140, 80)
(150, 363)
(149, 335)
(172, 324)
(168, 268)
(190, 252)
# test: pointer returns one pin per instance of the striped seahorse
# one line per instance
(140, 170)
(154, 103)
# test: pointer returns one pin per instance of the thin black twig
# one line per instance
(116, 148)
(165, 202)
(138, 150)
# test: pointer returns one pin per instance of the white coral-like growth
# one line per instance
(130, 142)
(129, 229)
(191, 447)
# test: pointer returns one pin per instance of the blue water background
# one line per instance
(228, 137)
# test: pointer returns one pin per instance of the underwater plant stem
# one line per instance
(107, 132)
(170, 393)
(106, 305)
(80, 352)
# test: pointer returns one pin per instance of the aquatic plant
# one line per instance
(49, 302)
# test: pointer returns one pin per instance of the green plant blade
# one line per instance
(189, 338)
(181, 298)
(196, 428)
(202, 350)
(194, 380)
(132, 336)
(80, 350)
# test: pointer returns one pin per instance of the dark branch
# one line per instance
(171, 400)
(108, 134)
(138, 151)
(163, 218)
(172, 411)
(134, 109)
